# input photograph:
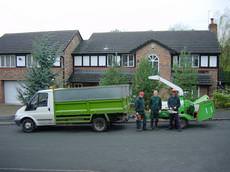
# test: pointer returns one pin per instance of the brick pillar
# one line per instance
(1, 91)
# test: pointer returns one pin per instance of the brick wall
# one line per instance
(12, 73)
(213, 72)
(17, 74)
(163, 55)
(68, 59)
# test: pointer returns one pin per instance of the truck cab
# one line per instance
(37, 112)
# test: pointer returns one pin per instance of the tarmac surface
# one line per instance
(201, 147)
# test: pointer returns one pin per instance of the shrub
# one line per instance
(222, 98)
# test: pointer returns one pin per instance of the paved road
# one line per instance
(200, 148)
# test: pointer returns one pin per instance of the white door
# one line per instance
(10, 91)
(39, 108)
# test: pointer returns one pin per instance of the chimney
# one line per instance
(212, 27)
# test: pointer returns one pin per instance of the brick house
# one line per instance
(15, 59)
(92, 57)
(83, 62)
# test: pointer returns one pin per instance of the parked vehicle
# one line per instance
(99, 106)
(199, 110)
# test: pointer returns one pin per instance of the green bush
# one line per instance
(222, 99)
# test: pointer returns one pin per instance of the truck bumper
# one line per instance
(121, 119)
(17, 122)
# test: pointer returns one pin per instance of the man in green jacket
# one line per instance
(174, 105)
(155, 106)
(140, 111)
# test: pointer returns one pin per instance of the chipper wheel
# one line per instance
(183, 123)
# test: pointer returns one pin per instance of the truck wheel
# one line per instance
(183, 123)
(99, 124)
(28, 125)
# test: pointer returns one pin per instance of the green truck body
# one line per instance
(82, 105)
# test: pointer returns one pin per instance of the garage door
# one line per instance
(10, 91)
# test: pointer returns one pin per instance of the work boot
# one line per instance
(139, 129)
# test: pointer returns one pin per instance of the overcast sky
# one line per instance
(90, 16)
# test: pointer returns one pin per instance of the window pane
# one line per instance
(93, 60)
(213, 61)
(85, 60)
(154, 61)
(118, 60)
(57, 61)
(29, 62)
(42, 99)
(78, 61)
(195, 61)
(34, 100)
(13, 61)
(1, 63)
(175, 60)
(204, 61)
(21, 61)
(8, 61)
(131, 61)
(125, 60)
(102, 60)
(109, 60)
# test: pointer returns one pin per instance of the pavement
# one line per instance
(199, 148)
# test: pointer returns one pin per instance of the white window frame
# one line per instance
(27, 61)
(198, 58)
(201, 62)
(153, 58)
(57, 62)
(115, 58)
(210, 61)
(23, 63)
(128, 56)
(4, 61)
(101, 61)
(11, 59)
(85, 61)
(95, 58)
(131, 55)
(77, 60)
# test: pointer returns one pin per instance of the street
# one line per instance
(199, 148)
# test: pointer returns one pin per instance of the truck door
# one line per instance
(40, 109)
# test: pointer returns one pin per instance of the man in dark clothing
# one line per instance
(155, 106)
(173, 105)
(140, 111)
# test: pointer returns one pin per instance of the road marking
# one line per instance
(43, 170)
